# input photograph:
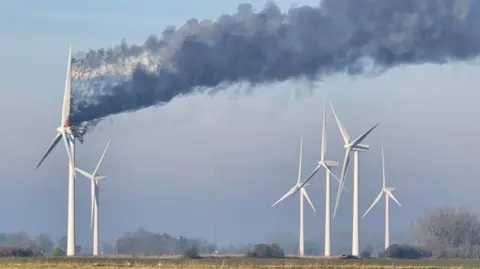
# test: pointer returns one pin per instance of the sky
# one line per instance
(220, 161)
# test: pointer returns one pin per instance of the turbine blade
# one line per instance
(345, 135)
(300, 161)
(301, 185)
(87, 175)
(97, 178)
(373, 204)
(285, 195)
(359, 139)
(346, 160)
(383, 167)
(101, 158)
(334, 176)
(66, 94)
(389, 193)
(50, 148)
(92, 201)
(324, 135)
(305, 194)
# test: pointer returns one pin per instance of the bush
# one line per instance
(367, 252)
(266, 251)
(58, 252)
(405, 252)
(10, 251)
(191, 253)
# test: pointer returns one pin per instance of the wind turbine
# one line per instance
(388, 193)
(325, 165)
(303, 194)
(65, 133)
(95, 180)
(355, 147)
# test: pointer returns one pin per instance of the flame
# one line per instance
(67, 123)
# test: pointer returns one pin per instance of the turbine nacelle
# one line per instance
(63, 129)
(358, 147)
(93, 177)
(361, 147)
(98, 178)
(328, 163)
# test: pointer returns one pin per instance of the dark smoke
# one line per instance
(351, 36)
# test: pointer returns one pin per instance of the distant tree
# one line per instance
(3, 238)
(144, 242)
(448, 232)
(58, 252)
(311, 248)
(367, 251)
(20, 239)
(191, 253)
(266, 251)
(210, 248)
(44, 243)
(404, 252)
(287, 241)
(240, 249)
(62, 243)
(276, 251)
(13, 251)
(182, 243)
(108, 248)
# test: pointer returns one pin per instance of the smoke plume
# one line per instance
(352, 36)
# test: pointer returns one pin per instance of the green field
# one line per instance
(228, 263)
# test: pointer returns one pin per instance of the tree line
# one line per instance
(140, 242)
(444, 232)
(448, 232)
(147, 243)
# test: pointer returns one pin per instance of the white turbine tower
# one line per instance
(95, 180)
(325, 165)
(351, 146)
(65, 133)
(302, 196)
(388, 193)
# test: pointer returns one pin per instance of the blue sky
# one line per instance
(219, 161)
(90, 24)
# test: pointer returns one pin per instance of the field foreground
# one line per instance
(229, 263)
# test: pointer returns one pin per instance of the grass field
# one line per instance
(230, 263)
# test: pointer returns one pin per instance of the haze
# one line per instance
(220, 161)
